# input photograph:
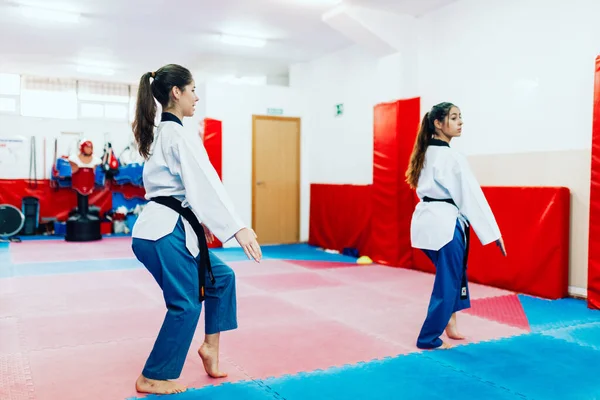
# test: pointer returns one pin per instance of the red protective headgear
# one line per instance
(84, 144)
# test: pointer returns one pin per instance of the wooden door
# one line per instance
(276, 179)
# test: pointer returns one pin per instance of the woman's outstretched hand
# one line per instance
(247, 239)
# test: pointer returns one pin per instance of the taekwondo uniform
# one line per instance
(184, 189)
(451, 202)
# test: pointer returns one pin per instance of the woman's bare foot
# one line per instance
(210, 358)
(444, 346)
(452, 330)
(145, 385)
(453, 333)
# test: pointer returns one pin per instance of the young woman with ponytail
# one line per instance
(451, 201)
(187, 204)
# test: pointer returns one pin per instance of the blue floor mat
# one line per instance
(588, 335)
(247, 390)
(405, 377)
(584, 335)
(534, 365)
(231, 254)
(546, 314)
(302, 252)
(411, 377)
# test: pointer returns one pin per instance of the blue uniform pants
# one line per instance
(176, 272)
(445, 297)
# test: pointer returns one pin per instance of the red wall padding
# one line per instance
(54, 203)
(213, 143)
(594, 230)
(395, 130)
(340, 216)
(535, 223)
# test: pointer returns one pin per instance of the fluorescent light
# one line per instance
(95, 70)
(243, 41)
(49, 15)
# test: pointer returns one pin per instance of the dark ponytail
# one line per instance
(438, 112)
(159, 89)
(417, 158)
(145, 114)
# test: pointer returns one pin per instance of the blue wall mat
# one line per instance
(119, 200)
(411, 377)
(553, 314)
(534, 365)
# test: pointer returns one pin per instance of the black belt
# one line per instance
(188, 214)
(467, 237)
(430, 200)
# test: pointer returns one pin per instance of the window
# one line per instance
(10, 88)
(133, 92)
(91, 110)
(48, 98)
(10, 84)
(103, 92)
(103, 100)
(8, 105)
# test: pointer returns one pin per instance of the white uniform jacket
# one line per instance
(179, 167)
(446, 175)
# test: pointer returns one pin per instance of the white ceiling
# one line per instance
(134, 36)
(416, 8)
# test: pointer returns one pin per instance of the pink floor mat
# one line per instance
(91, 332)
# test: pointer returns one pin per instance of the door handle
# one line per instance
(258, 183)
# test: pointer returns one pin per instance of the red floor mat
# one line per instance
(504, 309)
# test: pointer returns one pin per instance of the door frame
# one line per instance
(298, 120)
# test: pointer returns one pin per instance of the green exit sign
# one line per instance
(339, 110)
(275, 111)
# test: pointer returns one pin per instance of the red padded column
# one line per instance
(395, 130)
(594, 230)
(213, 143)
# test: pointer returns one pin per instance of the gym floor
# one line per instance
(77, 321)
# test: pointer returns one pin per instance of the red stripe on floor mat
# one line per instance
(504, 309)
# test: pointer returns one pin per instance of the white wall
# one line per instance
(234, 105)
(521, 70)
(341, 149)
